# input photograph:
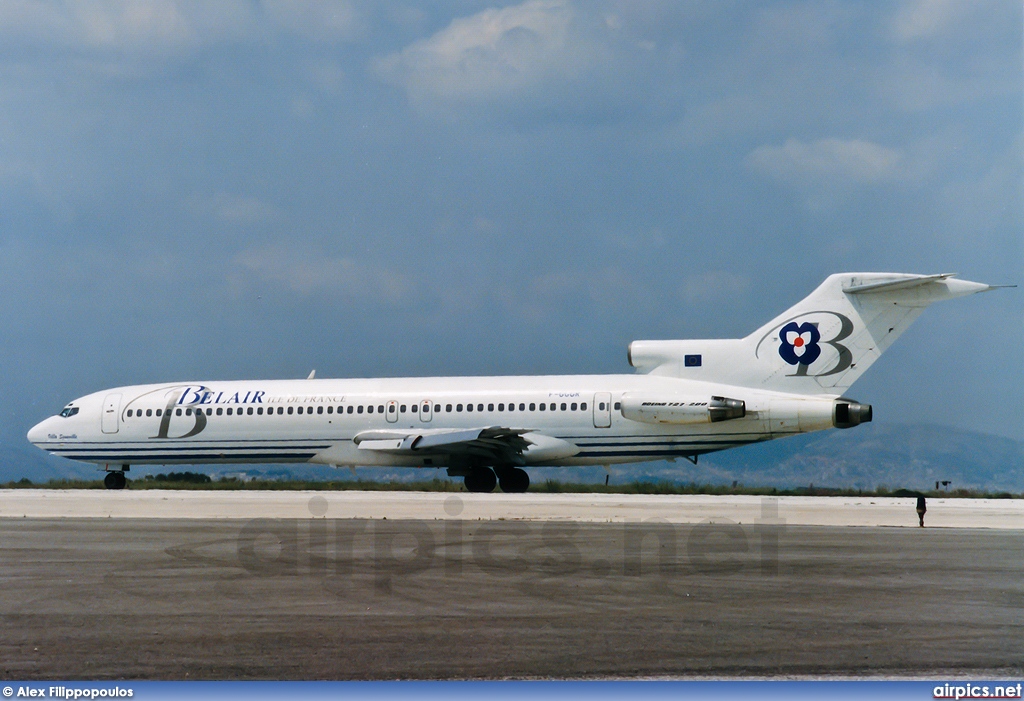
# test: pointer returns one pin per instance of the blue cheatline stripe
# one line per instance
(617, 444)
(205, 443)
(165, 447)
(195, 457)
(640, 453)
(603, 434)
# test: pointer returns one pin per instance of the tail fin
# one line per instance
(820, 346)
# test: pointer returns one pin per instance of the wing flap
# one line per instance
(491, 444)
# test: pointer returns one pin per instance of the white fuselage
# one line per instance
(317, 420)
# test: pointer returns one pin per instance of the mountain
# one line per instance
(871, 455)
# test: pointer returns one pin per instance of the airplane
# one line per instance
(687, 398)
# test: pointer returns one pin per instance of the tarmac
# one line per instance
(580, 508)
(385, 585)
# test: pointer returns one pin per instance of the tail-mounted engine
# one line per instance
(847, 413)
(674, 409)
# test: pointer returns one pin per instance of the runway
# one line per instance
(456, 597)
(581, 508)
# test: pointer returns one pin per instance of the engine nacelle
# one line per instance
(848, 413)
(676, 409)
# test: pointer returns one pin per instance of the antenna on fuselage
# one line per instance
(312, 374)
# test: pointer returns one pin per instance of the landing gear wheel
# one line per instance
(514, 481)
(481, 479)
(115, 480)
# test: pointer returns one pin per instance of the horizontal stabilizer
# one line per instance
(900, 284)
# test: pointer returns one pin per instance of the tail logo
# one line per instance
(799, 343)
(802, 340)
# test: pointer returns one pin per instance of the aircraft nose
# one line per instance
(37, 434)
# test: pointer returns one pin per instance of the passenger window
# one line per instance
(402, 409)
(369, 409)
(350, 410)
(573, 407)
(209, 412)
(359, 409)
(542, 405)
(533, 407)
(319, 410)
(448, 407)
(280, 410)
(490, 407)
(563, 406)
(437, 408)
(618, 405)
(230, 411)
(469, 407)
(249, 411)
(219, 411)
(177, 412)
(583, 406)
(391, 409)
(159, 412)
(259, 411)
(601, 406)
(330, 410)
(380, 409)
(188, 411)
(522, 407)
(291, 410)
(149, 412)
(479, 407)
(129, 413)
(501, 407)
(458, 407)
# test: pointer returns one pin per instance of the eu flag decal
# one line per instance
(691, 361)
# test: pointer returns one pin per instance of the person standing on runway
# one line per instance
(921, 508)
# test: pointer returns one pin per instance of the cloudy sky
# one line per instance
(228, 189)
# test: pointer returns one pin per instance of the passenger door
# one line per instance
(426, 410)
(111, 411)
(602, 410)
(391, 413)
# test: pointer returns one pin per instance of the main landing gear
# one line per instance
(115, 479)
(483, 479)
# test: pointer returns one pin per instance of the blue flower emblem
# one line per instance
(799, 343)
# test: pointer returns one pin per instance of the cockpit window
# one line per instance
(69, 411)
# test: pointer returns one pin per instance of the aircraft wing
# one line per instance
(491, 444)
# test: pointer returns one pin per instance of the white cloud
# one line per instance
(988, 204)
(827, 171)
(860, 161)
(321, 20)
(714, 287)
(493, 54)
(309, 273)
(921, 19)
(151, 26)
(234, 209)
